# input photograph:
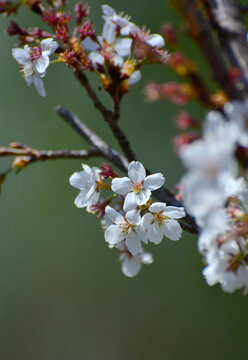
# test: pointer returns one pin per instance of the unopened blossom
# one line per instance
(131, 265)
(161, 221)
(137, 187)
(87, 182)
(125, 229)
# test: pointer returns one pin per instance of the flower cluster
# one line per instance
(122, 48)
(116, 55)
(132, 219)
(217, 198)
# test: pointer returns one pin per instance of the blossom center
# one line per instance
(137, 187)
(35, 53)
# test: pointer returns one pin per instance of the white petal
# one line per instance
(129, 28)
(90, 45)
(121, 186)
(146, 258)
(79, 179)
(143, 196)
(133, 217)
(80, 199)
(29, 79)
(86, 168)
(133, 243)
(172, 230)
(155, 234)
(114, 215)
(154, 182)
(146, 221)
(155, 40)
(113, 234)
(109, 32)
(174, 212)
(39, 86)
(93, 199)
(89, 194)
(95, 174)
(142, 234)
(108, 10)
(130, 266)
(123, 46)
(130, 202)
(96, 58)
(20, 56)
(135, 77)
(136, 171)
(42, 64)
(118, 60)
(48, 46)
(157, 207)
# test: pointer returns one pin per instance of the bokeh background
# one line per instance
(62, 294)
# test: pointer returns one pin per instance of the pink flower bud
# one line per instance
(87, 29)
(107, 171)
(169, 32)
(81, 12)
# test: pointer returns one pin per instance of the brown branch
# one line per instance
(98, 143)
(244, 9)
(200, 29)
(107, 114)
(226, 18)
(120, 161)
(36, 155)
(111, 117)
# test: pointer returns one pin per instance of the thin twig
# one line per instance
(36, 155)
(107, 114)
(111, 117)
(82, 129)
(120, 161)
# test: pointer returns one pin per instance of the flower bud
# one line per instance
(87, 29)
(168, 30)
(21, 162)
(107, 171)
(81, 12)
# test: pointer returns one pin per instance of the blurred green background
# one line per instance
(62, 294)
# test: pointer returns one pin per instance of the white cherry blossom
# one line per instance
(222, 267)
(86, 181)
(121, 47)
(34, 62)
(40, 55)
(137, 186)
(22, 56)
(161, 220)
(125, 229)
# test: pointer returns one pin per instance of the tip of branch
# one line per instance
(58, 109)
